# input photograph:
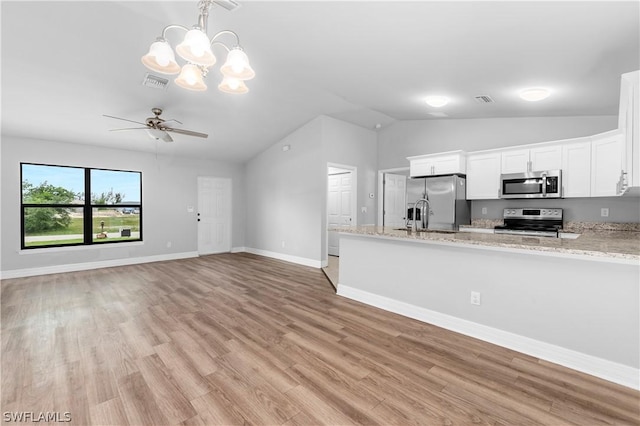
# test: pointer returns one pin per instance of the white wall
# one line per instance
(284, 197)
(352, 145)
(169, 186)
(578, 311)
(406, 138)
(287, 190)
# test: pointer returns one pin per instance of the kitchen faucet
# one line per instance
(425, 214)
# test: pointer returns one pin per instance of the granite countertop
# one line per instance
(605, 244)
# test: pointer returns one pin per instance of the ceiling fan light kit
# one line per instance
(157, 128)
(196, 50)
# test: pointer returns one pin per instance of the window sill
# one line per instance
(80, 247)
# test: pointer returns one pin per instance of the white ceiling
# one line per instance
(64, 64)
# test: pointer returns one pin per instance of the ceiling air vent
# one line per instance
(155, 82)
(484, 99)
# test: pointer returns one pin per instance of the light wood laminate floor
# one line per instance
(241, 339)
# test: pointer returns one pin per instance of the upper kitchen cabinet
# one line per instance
(445, 163)
(547, 157)
(628, 124)
(607, 163)
(576, 168)
(483, 175)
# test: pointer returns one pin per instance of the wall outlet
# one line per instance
(168, 244)
(475, 298)
(484, 210)
(604, 212)
(282, 243)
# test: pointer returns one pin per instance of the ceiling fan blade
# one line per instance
(167, 137)
(173, 119)
(123, 119)
(186, 132)
(128, 128)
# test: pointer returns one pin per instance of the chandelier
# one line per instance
(196, 50)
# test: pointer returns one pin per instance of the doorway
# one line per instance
(341, 203)
(214, 215)
(392, 197)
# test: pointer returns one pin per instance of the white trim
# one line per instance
(73, 267)
(286, 257)
(238, 249)
(354, 203)
(608, 370)
(396, 170)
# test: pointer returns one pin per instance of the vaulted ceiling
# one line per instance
(65, 64)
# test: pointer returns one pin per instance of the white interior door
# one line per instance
(214, 215)
(339, 207)
(395, 200)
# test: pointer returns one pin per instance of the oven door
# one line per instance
(531, 185)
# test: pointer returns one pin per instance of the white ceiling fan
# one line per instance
(157, 128)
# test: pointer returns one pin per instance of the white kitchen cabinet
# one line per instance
(515, 161)
(546, 157)
(446, 163)
(576, 168)
(607, 162)
(628, 122)
(483, 175)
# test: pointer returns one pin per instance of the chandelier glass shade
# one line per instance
(196, 50)
(191, 78)
(233, 85)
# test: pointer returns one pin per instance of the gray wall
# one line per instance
(407, 138)
(169, 186)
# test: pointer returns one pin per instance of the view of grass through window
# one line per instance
(56, 212)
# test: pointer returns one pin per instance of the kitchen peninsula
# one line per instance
(575, 302)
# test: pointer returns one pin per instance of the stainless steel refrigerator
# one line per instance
(448, 206)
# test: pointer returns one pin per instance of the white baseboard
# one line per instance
(607, 370)
(286, 257)
(73, 267)
(238, 249)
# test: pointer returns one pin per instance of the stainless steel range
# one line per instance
(533, 222)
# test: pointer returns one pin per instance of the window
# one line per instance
(55, 210)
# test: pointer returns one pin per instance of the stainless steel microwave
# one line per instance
(542, 184)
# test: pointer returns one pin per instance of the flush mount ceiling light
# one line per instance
(535, 94)
(196, 50)
(436, 101)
